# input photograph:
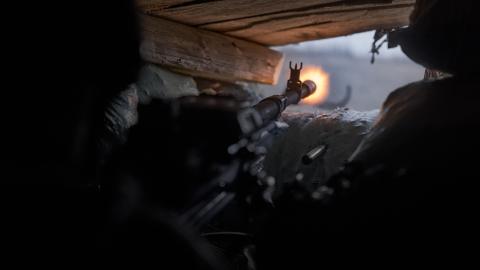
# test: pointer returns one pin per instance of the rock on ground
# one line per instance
(156, 82)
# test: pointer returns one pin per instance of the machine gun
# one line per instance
(195, 164)
(198, 155)
(243, 178)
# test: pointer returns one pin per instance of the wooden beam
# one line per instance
(326, 25)
(203, 12)
(206, 54)
(294, 19)
(259, 20)
(150, 6)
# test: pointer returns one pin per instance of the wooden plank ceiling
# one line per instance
(279, 22)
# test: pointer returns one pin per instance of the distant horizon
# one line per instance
(357, 45)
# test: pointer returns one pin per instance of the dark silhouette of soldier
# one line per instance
(409, 194)
(64, 62)
(67, 62)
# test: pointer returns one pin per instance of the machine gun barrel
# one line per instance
(269, 109)
(272, 107)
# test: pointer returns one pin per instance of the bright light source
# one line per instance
(321, 78)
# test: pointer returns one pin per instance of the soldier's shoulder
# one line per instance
(406, 93)
(422, 93)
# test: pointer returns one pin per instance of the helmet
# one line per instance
(441, 36)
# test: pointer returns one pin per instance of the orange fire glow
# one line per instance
(321, 78)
